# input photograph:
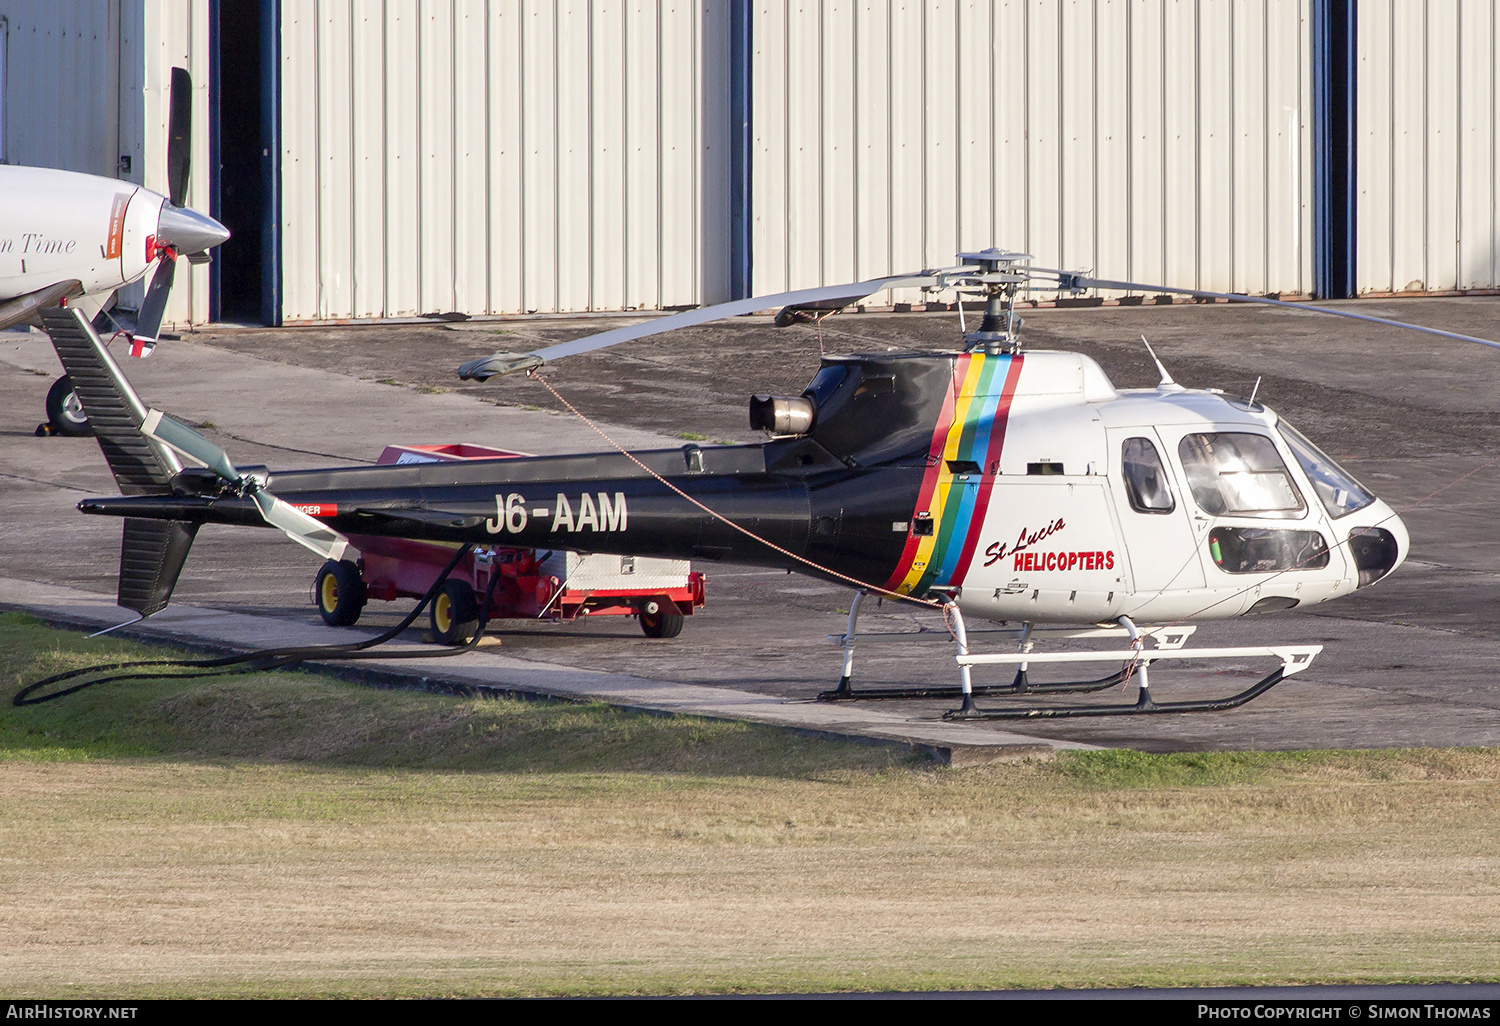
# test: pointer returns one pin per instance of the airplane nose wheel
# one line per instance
(64, 412)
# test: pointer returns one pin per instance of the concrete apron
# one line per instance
(486, 671)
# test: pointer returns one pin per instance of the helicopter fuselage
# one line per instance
(1024, 486)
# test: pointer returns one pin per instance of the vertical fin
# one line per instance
(151, 556)
(141, 467)
(152, 552)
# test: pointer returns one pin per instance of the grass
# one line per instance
(289, 835)
(308, 718)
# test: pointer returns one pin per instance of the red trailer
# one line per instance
(534, 584)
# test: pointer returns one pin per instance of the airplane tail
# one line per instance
(152, 552)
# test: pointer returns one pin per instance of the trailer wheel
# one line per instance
(65, 412)
(455, 614)
(340, 593)
(661, 619)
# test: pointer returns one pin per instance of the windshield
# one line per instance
(1239, 474)
(1337, 490)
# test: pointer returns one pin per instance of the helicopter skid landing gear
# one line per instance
(1137, 661)
(1165, 637)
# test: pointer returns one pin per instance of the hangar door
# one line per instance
(500, 157)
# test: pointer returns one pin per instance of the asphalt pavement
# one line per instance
(1409, 662)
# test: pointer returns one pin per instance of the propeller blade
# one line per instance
(179, 136)
(154, 307)
(306, 531)
(182, 439)
(509, 363)
(1071, 280)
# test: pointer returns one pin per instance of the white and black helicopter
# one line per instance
(988, 480)
(70, 238)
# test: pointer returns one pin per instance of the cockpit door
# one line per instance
(1155, 513)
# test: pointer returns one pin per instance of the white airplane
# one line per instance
(74, 239)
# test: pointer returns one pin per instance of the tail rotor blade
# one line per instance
(154, 307)
(299, 527)
(180, 438)
(179, 136)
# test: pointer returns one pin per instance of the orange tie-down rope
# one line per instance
(863, 585)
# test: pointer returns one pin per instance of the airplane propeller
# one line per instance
(295, 524)
(179, 136)
(180, 231)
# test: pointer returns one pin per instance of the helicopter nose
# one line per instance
(1380, 547)
(188, 231)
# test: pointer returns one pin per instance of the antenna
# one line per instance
(1253, 391)
(1166, 384)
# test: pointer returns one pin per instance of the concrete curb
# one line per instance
(486, 672)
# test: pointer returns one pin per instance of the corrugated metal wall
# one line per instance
(155, 37)
(1160, 140)
(83, 37)
(87, 81)
(500, 157)
(1428, 178)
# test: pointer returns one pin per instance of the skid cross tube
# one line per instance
(1167, 638)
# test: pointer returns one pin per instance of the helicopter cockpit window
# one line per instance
(1338, 491)
(1239, 474)
(1145, 477)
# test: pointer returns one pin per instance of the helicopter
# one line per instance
(989, 481)
(70, 238)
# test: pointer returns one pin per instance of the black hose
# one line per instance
(271, 658)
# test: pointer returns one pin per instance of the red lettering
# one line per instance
(1088, 561)
(1109, 560)
(1020, 559)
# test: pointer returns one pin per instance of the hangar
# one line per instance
(390, 159)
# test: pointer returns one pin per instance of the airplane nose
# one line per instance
(188, 231)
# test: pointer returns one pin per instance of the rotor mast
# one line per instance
(998, 278)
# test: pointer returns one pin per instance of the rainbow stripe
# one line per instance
(971, 428)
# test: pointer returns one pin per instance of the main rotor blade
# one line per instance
(306, 531)
(154, 306)
(180, 438)
(1071, 280)
(509, 363)
(179, 136)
